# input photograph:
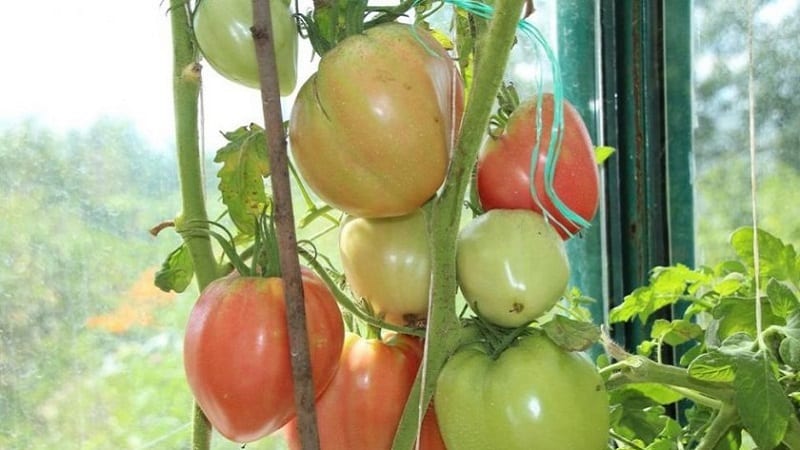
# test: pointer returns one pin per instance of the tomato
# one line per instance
(222, 30)
(503, 171)
(236, 352)
(387, 263)
(511, 266)
(372, 131)
(361, 408)
(535, 395)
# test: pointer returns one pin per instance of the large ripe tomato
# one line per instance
(236, 352)
(511, 266)
(535, 395)
(387, 263)
(361, 408)
(222, 30)
(503, 172)
(372, 131)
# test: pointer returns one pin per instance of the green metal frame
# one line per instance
(635, 56)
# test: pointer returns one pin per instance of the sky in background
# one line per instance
(68, 63)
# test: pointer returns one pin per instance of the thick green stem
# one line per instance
(638, 369)
(723, 421)
(443, 333)
(186, 89)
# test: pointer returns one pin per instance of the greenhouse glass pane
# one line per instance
(721, 140)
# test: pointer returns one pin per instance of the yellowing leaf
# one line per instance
(244, 167)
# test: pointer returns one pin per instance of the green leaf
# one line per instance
(637, 302)
(689, 355)
(668, 438)
(176, 271)
(675, 332)
(636, 416)
(763, 406)
(572, 335)
(602, 153)
(781, 298)
(712, 366)
(244, 166)
(789, 350)
(776, 259)
(667, 286)
(730, 284)
(659, 393)
(738, 315)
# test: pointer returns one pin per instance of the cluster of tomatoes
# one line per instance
(372, 133)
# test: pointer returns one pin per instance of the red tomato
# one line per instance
(361, 408)
(503, 172)
(372, 131)
(236, 352)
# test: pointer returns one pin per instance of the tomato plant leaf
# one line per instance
(789, 351)
(712, 366)
(730, 284)
(602, 153)
(776, 259)
(738, 315)
(176, 271)
(659, 393)
(763, 406)
(781, 298)
(244, 166)
(572, 335)
(675, 332)
(636, 416)
(667, 286)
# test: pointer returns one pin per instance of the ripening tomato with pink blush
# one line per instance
(236, 351)
(503, 171)
(362, 406)
(372, 131)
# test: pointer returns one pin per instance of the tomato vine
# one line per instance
(186, 87)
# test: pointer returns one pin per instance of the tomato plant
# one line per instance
(503, 171)
(362, 406)
(372, 131)
(387, 263)
(236, 352)
(222, 30)
(534, 395)
(511, 266)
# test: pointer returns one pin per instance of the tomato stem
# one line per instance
(304, 394)
(345, 302)
(638, 369)
(719, 427)
(444, 334)
(186, 91)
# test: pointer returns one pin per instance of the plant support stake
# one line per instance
(284, 222)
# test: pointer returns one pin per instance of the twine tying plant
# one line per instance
(530, 32)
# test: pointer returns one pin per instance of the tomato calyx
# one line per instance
(496, 339)
(332, 22)
(507, 103)
(263, 254)
(571, 334)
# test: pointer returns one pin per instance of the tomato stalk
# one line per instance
(284, 221)
(443, 334)
(186, 90)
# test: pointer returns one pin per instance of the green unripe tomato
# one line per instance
(222, 29)
(511, 266)
(534, 396)
(387, 263)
